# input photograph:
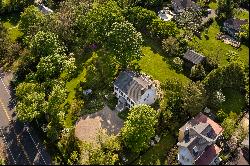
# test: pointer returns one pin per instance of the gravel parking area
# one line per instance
(88, 126)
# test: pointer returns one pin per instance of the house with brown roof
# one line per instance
(132, 88)
(197, 139)
(233, 26)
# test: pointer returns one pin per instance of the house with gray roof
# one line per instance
(197, 139)
(192, 58)
(233, 26)
(182, 5)
(132, 88)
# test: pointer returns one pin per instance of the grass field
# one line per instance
(154, 65)
(13, 31)
(234, 101)
(242, 14)
(157, 154)
(216, 49)
(213, 5)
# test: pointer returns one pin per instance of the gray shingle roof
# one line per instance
(194, 57)
(235, 23)
(183, 4)
(132, 84)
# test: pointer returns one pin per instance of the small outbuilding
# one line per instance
(233, 26)
(192, 58)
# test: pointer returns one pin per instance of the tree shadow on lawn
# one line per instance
(12, 18)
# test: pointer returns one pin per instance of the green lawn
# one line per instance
(242, 14)
(71, 85)
(216, 49)
(213, 5)
(234, 101)
(154, 65)
(13, 31)
(157, 154)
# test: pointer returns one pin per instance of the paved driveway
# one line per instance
(87, 127)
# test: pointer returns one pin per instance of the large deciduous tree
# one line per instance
(139, 127)
(194, 98)
(50, 67)
(140, 17)
(124, 42)
(162, 29)
(63, 22)
(31, 101)
(171, 46)
(99, 20)
(31, 21)
(229, 125)
(44, 44)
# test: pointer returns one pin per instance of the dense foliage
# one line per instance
(140, 17)
(162, 29)
(31, 21)
(139, 127)
(124, 42)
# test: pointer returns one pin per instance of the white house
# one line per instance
(132, 88)
(44, 9)
(197, 142)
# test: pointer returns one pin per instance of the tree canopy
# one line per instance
(124, 42)
(139, 127)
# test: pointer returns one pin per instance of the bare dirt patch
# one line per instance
(88, 126)
(2, 150)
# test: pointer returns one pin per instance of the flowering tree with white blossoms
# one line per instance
(124, 42)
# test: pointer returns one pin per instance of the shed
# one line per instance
(192, 58)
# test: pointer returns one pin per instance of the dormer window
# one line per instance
(195, 150)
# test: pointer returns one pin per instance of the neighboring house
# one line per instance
(44, 9)
(132, 88)
(232, 26)
(166, 14)
(192, 58)
(182, 5)
(197, 141)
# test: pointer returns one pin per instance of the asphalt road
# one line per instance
(22, 144)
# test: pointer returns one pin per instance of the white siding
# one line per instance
(148, 97)
(184, 156)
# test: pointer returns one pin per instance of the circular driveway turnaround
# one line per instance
(88, 126)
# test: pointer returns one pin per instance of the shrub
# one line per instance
(221, 115)
(197, 72)
(178, 64)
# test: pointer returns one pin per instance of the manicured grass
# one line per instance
(71, 85)
(156, 155)
(234, 101)
(216, 49)
(242, 14)
(6, 2)
(213, 5)
(13, 31)
(154, 65)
